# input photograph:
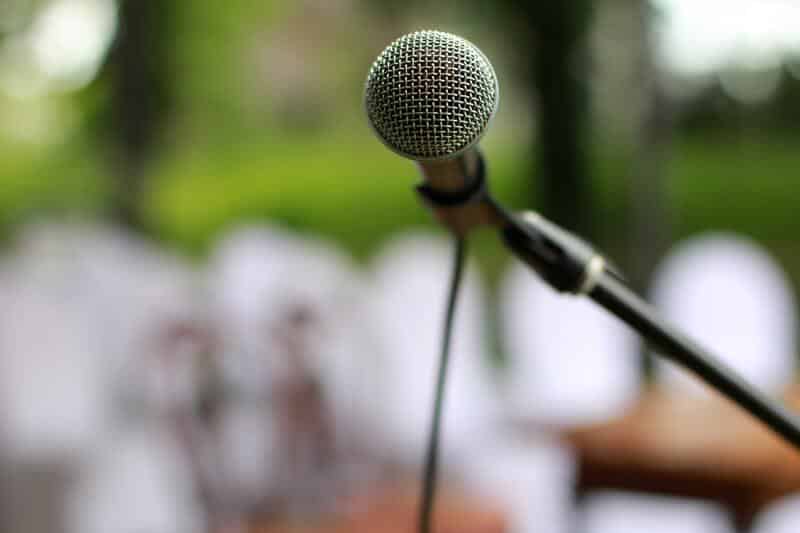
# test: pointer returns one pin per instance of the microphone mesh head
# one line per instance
(430, 95)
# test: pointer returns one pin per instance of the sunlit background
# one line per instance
(158, 159)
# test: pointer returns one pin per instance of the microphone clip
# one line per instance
(562, 259)
(463, 209)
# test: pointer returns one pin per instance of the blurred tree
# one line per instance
(714, 112)
(785, 108)
(555, 46)
(650, 217)
(139, 76)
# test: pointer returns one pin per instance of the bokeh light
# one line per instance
(743, 41)
(61, 49)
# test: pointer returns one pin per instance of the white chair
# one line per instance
(53, 385)
(726, 292)
(529, 481)
(406, 310)
(51, 389)
(139, 483)
(123, 289)
(614, 512)
(569, 362)
(52, 405)
(82, 298)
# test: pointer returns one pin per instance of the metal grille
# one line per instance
(430, 95)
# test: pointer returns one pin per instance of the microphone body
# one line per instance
(452, 175)
(455, 190)
(429, 97)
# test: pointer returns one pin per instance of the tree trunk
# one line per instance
(139, 89)
(650, 220)
(560, 61)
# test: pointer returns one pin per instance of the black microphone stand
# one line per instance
(570, 265)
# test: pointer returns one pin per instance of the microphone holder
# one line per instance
(570, 265)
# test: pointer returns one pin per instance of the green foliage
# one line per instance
(66, 179)
(354, 190)
(743, 185)
(217, 167)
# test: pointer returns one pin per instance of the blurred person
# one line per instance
(294, 367)
(177, 397)
(726, 292)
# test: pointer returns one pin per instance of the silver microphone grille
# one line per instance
(430, 95)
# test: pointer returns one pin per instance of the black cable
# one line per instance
(432, 453)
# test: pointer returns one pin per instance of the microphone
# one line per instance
(430, 97)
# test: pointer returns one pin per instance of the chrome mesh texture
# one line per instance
(430, 95)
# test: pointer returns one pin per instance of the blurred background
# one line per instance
(212, 273)
(183, 119)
